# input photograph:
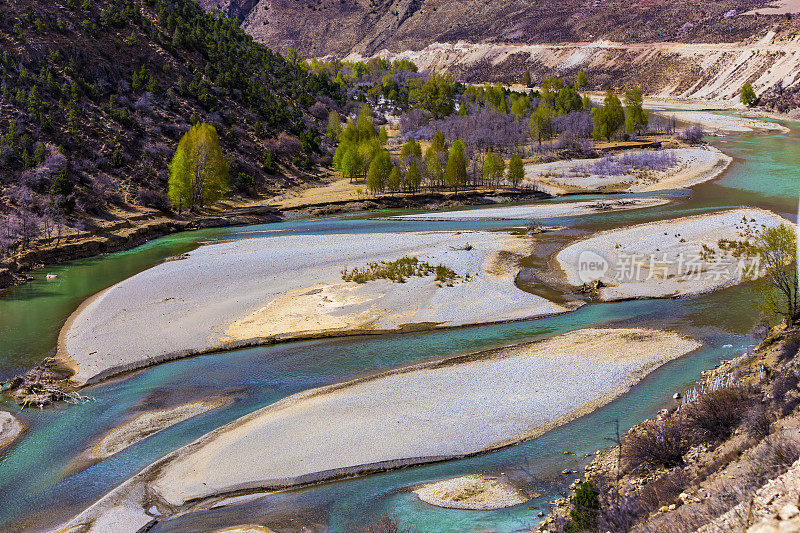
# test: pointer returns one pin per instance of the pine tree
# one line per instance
(581, 80)
(526, 78)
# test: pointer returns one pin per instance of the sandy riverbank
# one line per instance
(690, 166)
(665, 258)
(149, 423)
(474, 492)
(718, 124)
(10, 429)
(537, 211)
(273, 288)
(432, 411)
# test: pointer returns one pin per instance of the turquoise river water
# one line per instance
(43, 482)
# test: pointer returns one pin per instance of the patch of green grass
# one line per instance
(400, 270)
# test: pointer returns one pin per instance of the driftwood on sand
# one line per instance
(43, 385)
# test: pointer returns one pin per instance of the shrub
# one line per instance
(586, 505)
(758, 421)
(655, 444)
(715, 415)
(693, 134)
(245, 182)
(155, 199)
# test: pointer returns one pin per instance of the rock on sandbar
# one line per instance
(433, 411)
(473, 492)
(10, 429)
(666, 258)
(258, 290)
(540, 210)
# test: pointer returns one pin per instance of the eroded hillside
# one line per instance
(319, 27)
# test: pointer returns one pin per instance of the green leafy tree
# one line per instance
(410, 150)
(568, 100)
(199, 171)
(351, 166)
(379, 170)
(516, 171)
(581, 80)
(383, 137)
(520, 106)
(179, 184)
(395, 180)
(413, 177)
(436, 96)
(635, 116)
(269, 165)
(433, 166)
(61, 193)
(541, 124)
(493, 167)
(748, 95)
(608, 119)
(776, 250)
(365, 129)
(334, 129)
(455, 173)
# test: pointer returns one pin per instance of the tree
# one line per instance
(178, 186)
(334, 129)
(410, 150)
(541, 124)
(526, 78)
(581, 80)
(395, 180)
(776, 249)
(204, 177)
(635, 115)
(365, 129)
(433, 166)
(382, 135)
(61, 193)
(379, 170)
(493, 167)
(351, 165)
(748, 95)
(413, 177)
(608, 119)
(455, 174)
(568, 100)
(436, 96)
(516, 171)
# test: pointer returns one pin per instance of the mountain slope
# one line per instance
(319, 27)
(95, 94)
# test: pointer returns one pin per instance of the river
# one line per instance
(41, 484)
